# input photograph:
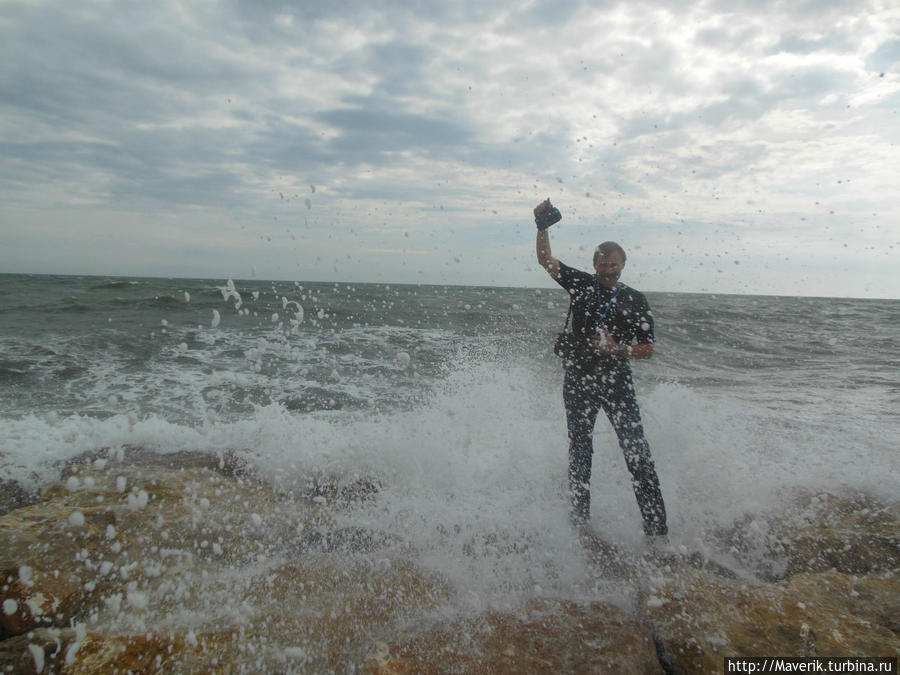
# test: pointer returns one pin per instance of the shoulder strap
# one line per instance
(568, 316)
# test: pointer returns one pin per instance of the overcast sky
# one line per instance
(739, 146)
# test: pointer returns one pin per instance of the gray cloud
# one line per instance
(402, 68)
(211, 113)
(369, 129)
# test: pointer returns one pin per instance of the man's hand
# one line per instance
(545, 214)
(605, 343)
(543, 207)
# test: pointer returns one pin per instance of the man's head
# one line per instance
(609, 261)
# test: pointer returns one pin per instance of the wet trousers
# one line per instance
(584, 396)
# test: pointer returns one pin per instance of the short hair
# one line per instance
(607, 248)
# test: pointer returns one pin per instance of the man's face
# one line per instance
(609, 269)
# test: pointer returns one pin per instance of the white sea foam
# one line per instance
(473, 478)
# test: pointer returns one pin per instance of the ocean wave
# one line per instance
(114, 284)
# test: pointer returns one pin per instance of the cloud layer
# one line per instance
(733, 147)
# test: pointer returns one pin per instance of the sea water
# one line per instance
(449, 400)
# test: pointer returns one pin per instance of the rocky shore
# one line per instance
(186, 563)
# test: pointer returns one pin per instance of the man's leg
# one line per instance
(581, 414)
(621, 407)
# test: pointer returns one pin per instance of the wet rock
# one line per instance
(327, 610)
(343, 539)
(851, 534)
(148, 653)
(325, 489)
(699, 619)
(125, 550)
(234, 466)
(43, 650)
(817, 532)
(14, 496)
(29, 598)
(872, 598)
(318, 614)
(66, 652)
(125, 529)
(546, 636)
(189, 563)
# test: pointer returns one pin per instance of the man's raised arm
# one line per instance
(543, 213)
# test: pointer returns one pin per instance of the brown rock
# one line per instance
(13, 496)
(146, 653)
(43, 650)
(818, 532)
(852, 534)
(30, 597)
(318, 614)
(546, 636)
(90, 536)
(872, 598)
(700, 619)
(167, 565)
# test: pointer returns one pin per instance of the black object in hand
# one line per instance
(546, 218)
